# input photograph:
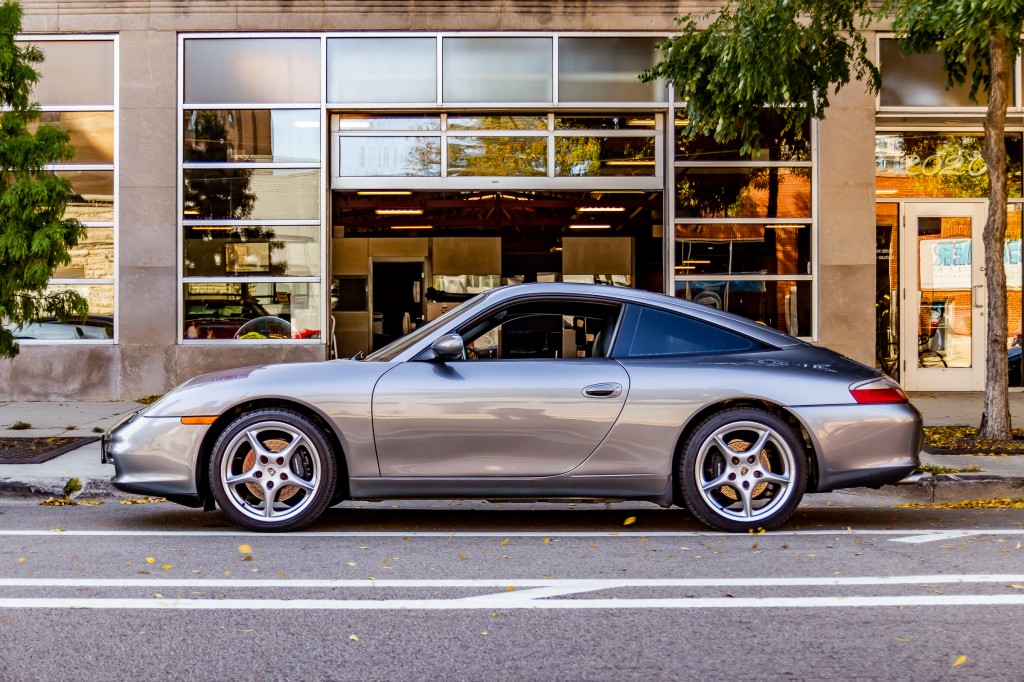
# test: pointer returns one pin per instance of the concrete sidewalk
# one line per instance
(999, 476)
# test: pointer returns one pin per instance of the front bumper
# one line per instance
(863, 445)
(154, 456)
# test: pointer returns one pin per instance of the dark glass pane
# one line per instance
(92, 133)
(775, 146)
(941, 165)
(253, 311)
(497, 122)
(604, 156)
(887, 286)
(282, 135)
(241, 251)
(498, 156)
(705, 192)
(782, 305)
(724, 249)
(661, 333)
(247, 193)
(638, 121)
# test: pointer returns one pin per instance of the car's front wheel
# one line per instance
(273, 470)
(742, 469)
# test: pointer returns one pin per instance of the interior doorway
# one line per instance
(396, 300)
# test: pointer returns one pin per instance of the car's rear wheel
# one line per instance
(273, 470)
(742, 469)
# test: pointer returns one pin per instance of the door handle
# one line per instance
(974, 296)
(610, 390)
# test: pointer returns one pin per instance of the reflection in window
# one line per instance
(387, 156)
(252, 70)
(605, 70)
(504, 156)
(661, 333)
(782, 305)
(251, 193)
(97, 326)
(919, 80)
(380, 70)
(92, 257)
(708, 192)
(356, 123)
(775, 146)
(253, 311)
(940, 165)
(497, 122)
(280, 135)
(604, 156)
(75, 73)
(245, 250)
(92, 133)
(731, 249)
(496, 69)
(93, 198)
(638, 121)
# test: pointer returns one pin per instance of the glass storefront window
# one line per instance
(604, 156)
(97, 326)
(942, 165)
(264, 135)
(92, 258)
(709, 192)
(919, 80)
(389, 156)
(782, 305)
(252, 70)
(92, 133)
(252, 311)
(496, 69)
(251, 193)
(247, 250)
(497, 122)
(605, 70)
(731, 249)
(75, 73)
(887, 287)
(381, 70)
(355, 123)
(501, 156)
(93, 199)
(775, 146)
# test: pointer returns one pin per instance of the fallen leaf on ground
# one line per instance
(354, 638)
(960, 661)
(629, 521)
(245, 549)
(150, 560)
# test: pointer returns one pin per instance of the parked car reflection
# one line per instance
(93, 327)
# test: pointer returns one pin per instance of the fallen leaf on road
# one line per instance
(629, 521)
(144, 500)
(247, 557)
(504, 542)
(354, 638)
(903, 639)
(960, 661)
(245, 549)
(150, 560)
(484, 633)
(167, 567)
(22, 560)
(547, 540)
(352, 563)
(1015, 586)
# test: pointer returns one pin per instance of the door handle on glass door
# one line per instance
(974, 295)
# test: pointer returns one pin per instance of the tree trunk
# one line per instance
(995, 420)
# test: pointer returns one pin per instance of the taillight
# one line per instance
(878, 391)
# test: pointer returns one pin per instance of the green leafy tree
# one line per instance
(34, 234)
(789, 56)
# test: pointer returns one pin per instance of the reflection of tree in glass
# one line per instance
(221, 193)
(952, 165)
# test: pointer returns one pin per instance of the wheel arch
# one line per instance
(233, 413)
(799, 430)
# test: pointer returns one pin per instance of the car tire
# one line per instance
(742, 469)
(277, 455)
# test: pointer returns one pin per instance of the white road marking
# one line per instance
(909, 535)
(580, 584)
(500, 601)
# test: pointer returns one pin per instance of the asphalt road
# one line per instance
(851, 588)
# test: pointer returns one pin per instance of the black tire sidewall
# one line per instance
(694, 500)
(328, 468)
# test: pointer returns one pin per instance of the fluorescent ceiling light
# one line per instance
(412, 227)
(389, 193)
(630, 162)
(601, 209)
(399, 211)
(587, 226)
(786, 226)
(886, 191)
(640, 122)
(344, 124)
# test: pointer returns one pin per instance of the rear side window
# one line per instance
(662, 333)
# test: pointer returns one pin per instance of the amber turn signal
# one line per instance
(198, 420)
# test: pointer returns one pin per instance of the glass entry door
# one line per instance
(943, 297)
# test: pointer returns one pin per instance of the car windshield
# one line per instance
(392, 350)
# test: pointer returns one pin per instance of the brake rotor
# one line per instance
(739, 445)
(274, 445)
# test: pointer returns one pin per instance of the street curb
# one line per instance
(50, 486)
(949, 488)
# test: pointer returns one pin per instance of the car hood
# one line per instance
(303, 382)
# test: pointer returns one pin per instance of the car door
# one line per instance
(535, 395)
(503, 417)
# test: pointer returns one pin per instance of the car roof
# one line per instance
(742, 325)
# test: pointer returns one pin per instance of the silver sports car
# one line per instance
(536, 391)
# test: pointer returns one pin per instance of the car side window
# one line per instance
(660, 333)
(542, 329)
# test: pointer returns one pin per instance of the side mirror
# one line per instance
(449, 347)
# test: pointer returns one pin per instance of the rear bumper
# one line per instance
(863, 445)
